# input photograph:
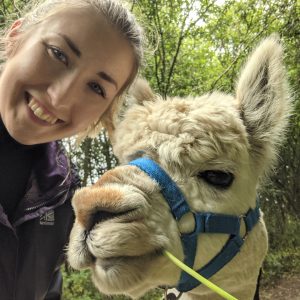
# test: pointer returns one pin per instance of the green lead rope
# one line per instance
(197, 276)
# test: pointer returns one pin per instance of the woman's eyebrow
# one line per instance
(77, 52)
(108, 78)
(71, 44)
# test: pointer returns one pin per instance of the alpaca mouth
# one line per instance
(119, 261)
(106, 262)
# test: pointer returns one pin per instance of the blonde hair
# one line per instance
(116, 13)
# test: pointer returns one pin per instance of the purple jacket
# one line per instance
(32, 246)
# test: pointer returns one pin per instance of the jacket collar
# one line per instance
(51, 183)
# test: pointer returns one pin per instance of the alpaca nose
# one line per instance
(103, 215)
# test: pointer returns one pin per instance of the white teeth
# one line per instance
(40, 113)
(34, 106)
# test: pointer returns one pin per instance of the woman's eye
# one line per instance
(59, 54)
(97, 88)
(217, 178)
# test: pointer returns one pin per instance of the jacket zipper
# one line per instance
(46, 202)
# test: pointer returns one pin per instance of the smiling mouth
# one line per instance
(40, 112)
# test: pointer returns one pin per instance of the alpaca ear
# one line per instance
(263, 97)
(139, 92)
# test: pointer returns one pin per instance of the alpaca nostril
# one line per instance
(103, 215)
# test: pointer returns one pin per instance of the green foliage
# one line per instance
(280, 262)
(284, 244)
(284, 255)
(78, 286)
(93, 157)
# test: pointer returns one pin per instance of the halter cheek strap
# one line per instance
(205, 223)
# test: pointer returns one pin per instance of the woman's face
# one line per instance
(62, 76)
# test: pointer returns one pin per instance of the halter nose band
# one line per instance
(206, 222)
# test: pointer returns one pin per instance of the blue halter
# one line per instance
(205, 223)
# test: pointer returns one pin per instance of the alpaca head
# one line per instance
(216, 148)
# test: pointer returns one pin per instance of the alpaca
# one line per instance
(216, 149)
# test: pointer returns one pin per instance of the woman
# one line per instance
(66, 63)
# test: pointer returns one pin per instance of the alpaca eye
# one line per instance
(218, 179)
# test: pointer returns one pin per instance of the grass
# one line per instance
(78, 286)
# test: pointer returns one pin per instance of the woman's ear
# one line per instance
(12, 37)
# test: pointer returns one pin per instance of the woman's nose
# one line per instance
(64, 91)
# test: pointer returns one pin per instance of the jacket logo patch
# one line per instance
(48, 218)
